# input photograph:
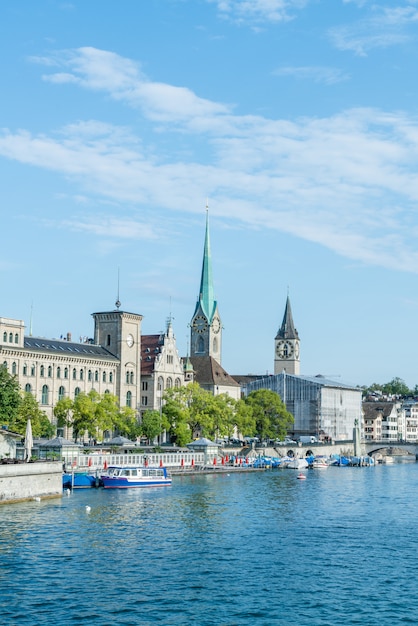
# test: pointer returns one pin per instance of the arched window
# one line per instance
(111, 377)
(16, 338)
(49, 371)
(177, 383)
(11, 337)
(104, 377)
(25, 370)
(14, 368)
(90, 375)
(45, 394)
(58, 372)
(128, 398)
(215, 344)
(107, 391)
(160, 384)
(32, 370)
(66, 372)
(28, 388)
(74, 374)
(81, 374)
(169, 383)
(42, 372)
(96, 376)
(76, 391)
(5, 365)
(5, 336)
(61, 393)
(131, 378)
(127, 378)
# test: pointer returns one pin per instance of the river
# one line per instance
(259, 548)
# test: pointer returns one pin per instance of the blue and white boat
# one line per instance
(125, 477)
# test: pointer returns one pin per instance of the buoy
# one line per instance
(301, 476)
(37, 499)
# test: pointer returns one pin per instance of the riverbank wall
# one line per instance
(26, 481)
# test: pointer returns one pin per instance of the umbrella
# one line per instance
(28, 441)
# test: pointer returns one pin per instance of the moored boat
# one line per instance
(297, 463)
(320, 462)
(118, 477)
(79, 480)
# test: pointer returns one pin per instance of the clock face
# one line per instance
(297, 350)
(284, 350)
(130, 341)
(216, 325)
(200, 324)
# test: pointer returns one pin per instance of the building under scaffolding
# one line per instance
(320, 406)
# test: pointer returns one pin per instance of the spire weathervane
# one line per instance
(117, 303)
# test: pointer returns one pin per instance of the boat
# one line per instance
(298, 464)
(124, 477)
(79, 480)
(320, 462)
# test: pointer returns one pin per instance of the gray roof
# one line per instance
(59, 442)
(203, 442)
(59, 346)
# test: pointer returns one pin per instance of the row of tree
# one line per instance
(395, 387)
(187, 412)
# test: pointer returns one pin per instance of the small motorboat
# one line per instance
(120, 477)
(320, 463)
(301, 476)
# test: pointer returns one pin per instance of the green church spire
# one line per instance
(206, 293)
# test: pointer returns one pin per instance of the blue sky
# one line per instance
(297, 119)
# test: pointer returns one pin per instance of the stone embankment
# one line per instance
(29, 481)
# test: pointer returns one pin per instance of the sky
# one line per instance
(295, 120)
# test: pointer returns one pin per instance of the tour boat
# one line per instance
(120, 477)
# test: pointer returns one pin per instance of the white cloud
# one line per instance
(258, 11)
(347, 182)
(317, 74)
(382, 27)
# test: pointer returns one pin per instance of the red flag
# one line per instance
(105, 465)
(161, 462)
(90, 462)
(214, 461)
(192, 462)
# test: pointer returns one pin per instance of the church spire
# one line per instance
(206, 293)
(287, 330)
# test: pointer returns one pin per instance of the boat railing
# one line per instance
(186, 460)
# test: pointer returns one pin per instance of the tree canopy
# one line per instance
(10, 398)
(272, 419)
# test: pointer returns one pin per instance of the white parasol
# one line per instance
(28, 441)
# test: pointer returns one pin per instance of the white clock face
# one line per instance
(216, 325)
(284, 350)
(200, 324)
(130, 341)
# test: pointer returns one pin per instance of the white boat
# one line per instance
(298, 464)
(320, 463)
(126, 477)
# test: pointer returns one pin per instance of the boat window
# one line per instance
(125, 472)
(134, 472)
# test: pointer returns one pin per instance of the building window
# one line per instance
(144, 385)
(25, 370)
(131, 378)
(127, 378)
(160, 384)
(11, 337)
(42, 370)
(45, 393)
(16, 338)
(5, 337)
(107, 391)
(96, 376)
(111, 377)
(74, 374)
(14, 368)
(28, 388)
(61, 393)
(32, 370)
(144, 400)
(66, 372)
(108, 340)
(104, 377)
(90, 376)
(169, 383)
(200, 345)
(81, 374)
(170, 359)
(177, 383)
(129, 399)
(5, 365)
(58, 372)
(49, 371)
(76, 392)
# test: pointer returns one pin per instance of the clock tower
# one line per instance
(206, 326)
(286, 345)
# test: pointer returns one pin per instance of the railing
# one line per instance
(172, 460)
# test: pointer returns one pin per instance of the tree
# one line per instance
(29, 409)
(270, 414)
(62, 411)
(151, 424)
(10, 398)
(127, 424)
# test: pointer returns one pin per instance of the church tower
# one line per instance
(286, 345)
(205, 326)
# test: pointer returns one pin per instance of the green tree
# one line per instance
(270, 414)
(29, 409)
(10, 398)
(151, 425)
(62, 411)
(126, 423)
